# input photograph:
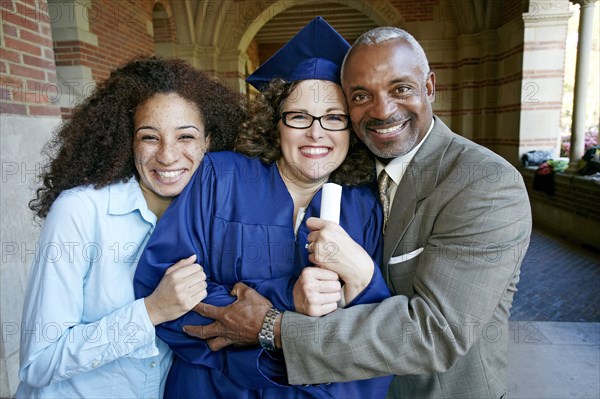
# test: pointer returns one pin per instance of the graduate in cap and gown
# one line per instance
(251, 216)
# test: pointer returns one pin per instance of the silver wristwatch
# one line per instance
(266, 336)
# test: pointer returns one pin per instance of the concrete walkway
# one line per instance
(551, 359)
(554, 349)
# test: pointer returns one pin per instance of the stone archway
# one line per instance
(163, 29)
(478, 53)
(382, 13)
(225, 31)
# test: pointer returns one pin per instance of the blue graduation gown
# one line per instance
(236, 215)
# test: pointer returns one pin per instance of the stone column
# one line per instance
(29, 112)
(70, 21)
(540, 91)
(582, 71)
(231, 68)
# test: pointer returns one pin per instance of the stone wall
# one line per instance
(29, 112)
(573, 210)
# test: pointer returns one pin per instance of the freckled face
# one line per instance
(169, 143)
(311, 155)
(389, 97)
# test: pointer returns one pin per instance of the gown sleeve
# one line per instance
(178, 235)
(182, 231)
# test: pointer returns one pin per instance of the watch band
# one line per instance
(266, 336)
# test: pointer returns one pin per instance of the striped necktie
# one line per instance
(383, 181)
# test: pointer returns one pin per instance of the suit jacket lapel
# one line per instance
(419, 180)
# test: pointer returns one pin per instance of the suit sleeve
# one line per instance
(470, 260)
(376, 291)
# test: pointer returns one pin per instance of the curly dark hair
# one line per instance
(95, 147)
(259, 137)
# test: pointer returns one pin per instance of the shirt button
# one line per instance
(153, 364)
(95, 363)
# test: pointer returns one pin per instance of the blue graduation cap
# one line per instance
(316, 52)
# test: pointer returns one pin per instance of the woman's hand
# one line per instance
(317, 291)
(333, 249)
(182, 287)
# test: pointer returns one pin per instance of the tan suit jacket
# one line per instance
(458, 230)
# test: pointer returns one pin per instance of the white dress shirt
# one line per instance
(397, 167)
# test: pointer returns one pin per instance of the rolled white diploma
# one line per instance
(331, 198)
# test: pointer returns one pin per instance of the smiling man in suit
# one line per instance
(458, 223)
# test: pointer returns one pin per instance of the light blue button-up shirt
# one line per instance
(83, 334)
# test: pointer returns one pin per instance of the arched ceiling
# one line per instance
(349, 22)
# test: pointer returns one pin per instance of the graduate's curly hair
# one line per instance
(260, 137)
(95, 147)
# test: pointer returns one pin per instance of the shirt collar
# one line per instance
(127, 197)
(397, 166)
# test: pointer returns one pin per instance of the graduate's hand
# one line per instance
(333, 249)
(236, 324)
(317, 291)
(182, 287)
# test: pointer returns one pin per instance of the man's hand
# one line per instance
(237, 324)
(317, 291)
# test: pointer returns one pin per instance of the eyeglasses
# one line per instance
(302, 120)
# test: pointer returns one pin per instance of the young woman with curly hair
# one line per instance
(114, 168)
(253, 217)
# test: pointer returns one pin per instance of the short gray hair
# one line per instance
(385, 33)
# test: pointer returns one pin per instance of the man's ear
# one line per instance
(430, 86)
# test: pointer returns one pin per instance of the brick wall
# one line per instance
(164, 26)
(29, 57)
(416, 11)
(571, 211)
(461, 96)
(121, 28)
(27, 69)
(572, 193)
(122, 34)
(424, 10)
(124, 29)
(510, 10)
